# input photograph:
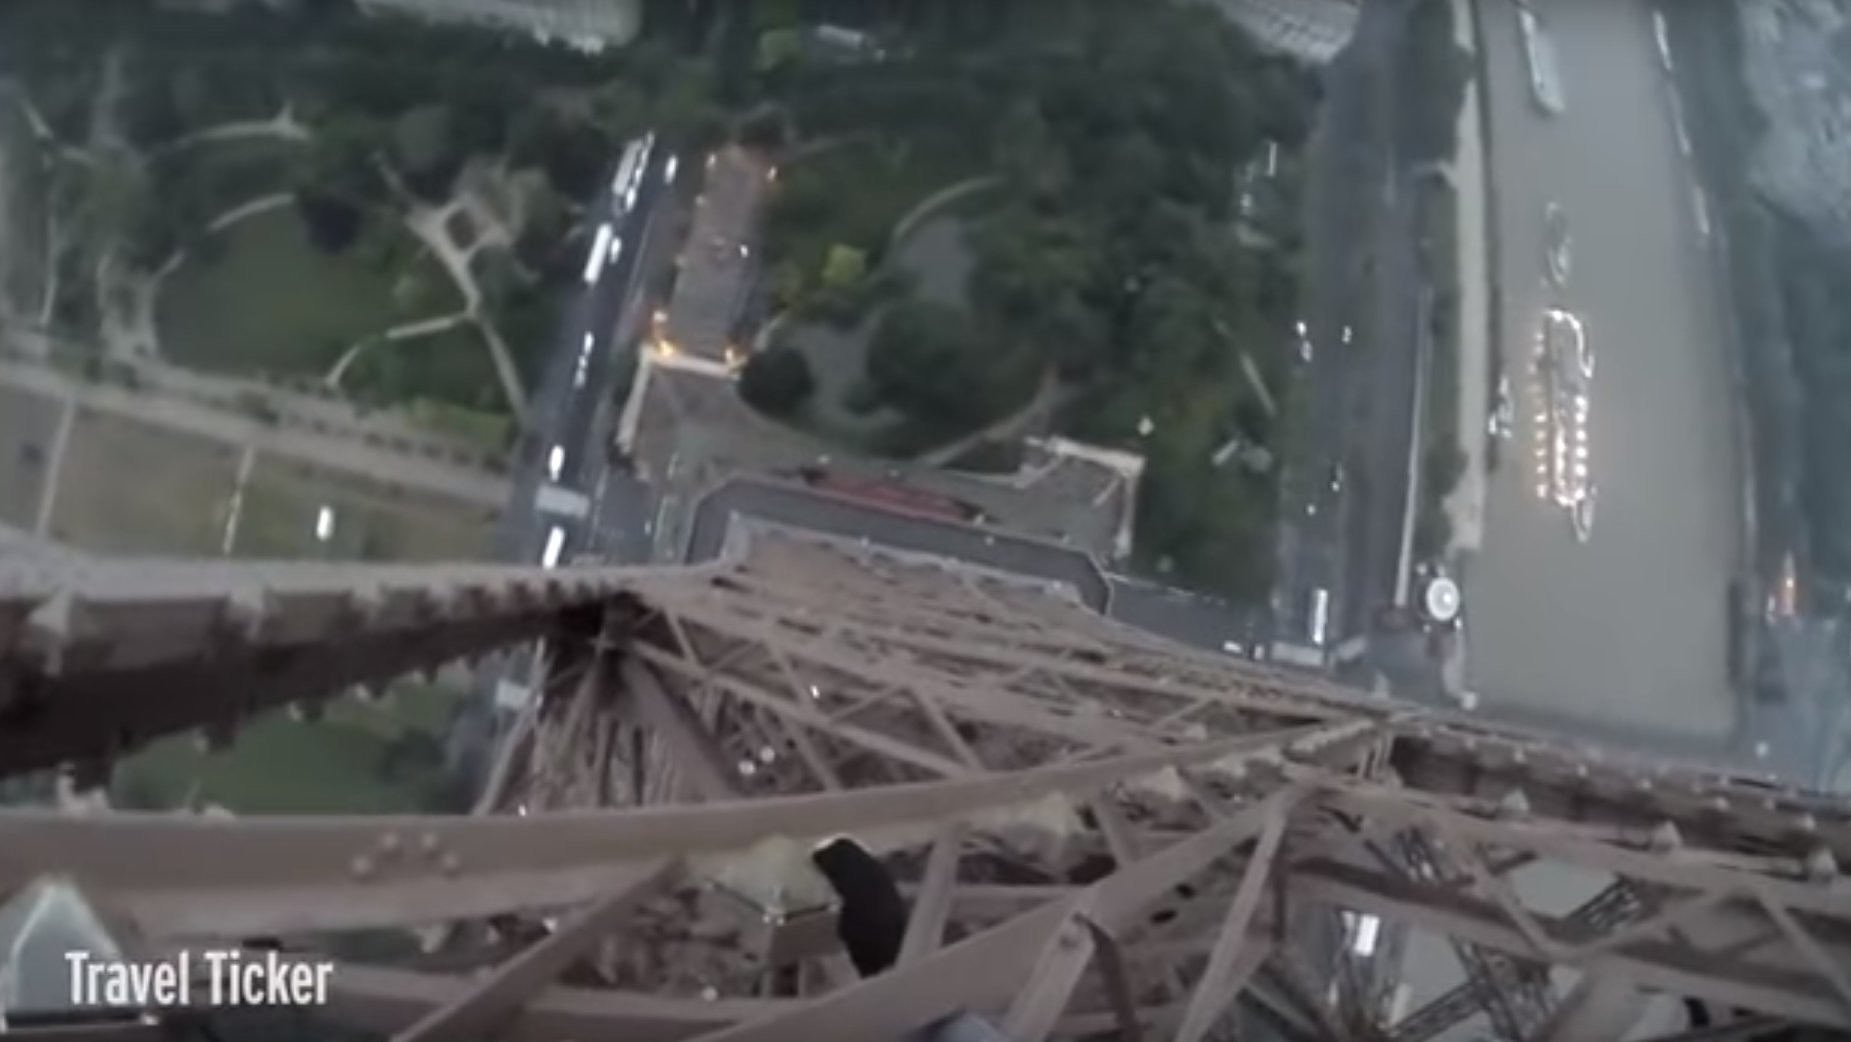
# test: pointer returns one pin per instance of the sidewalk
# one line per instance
(1465, 507)
(337, 450)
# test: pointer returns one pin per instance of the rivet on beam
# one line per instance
(389, 844)
(1514, 805)
(361, 867)
(1821, 866)
(450, 863)
(363, 607)
(428, 843)
(247, 611)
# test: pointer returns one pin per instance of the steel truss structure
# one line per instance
(1102, 834)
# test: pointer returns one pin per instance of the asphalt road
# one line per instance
(573, 413)
(1627, 630)
(576, 414)
(1356, 400)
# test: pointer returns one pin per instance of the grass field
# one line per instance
(28, 424)
(233, 171)
(372, 521)
(358, 759)
(132, 487)
(452, 366)
(274, 303)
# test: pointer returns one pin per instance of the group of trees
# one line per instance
(1790, 298)
(1106, 254)
(1109, 255)
(1815, 286)
(425, 99)
(1431, 77)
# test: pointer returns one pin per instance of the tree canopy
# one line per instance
(1108, 254)
(776, 380)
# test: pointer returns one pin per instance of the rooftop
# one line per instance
(686, 429)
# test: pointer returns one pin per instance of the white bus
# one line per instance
(629, 168)
(594, 262)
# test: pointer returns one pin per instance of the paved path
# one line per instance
(283, 126)
(54, 465)
(431, 227)
(330, 450)
(1465, 508)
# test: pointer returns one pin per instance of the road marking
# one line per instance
(236, 513)
(54, 463)
(1677, 121)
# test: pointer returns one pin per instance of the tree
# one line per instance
(426, 150)
(333, 223)
(931, 362)
(1434, 73)
(844, 267)
(337, 181)
(777, 380)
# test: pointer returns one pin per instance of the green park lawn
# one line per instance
(452, 366)
(273, 303)
(232, 171)
(372, 522)
(341, 764)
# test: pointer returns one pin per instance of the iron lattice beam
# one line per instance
(994, 738)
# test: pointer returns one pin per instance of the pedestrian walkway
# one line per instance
(1465, 507)
(337, 451)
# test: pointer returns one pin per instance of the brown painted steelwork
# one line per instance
(700, 727)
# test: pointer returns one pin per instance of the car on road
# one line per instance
(1304, 343)
(1336, 478)
(555, 462)
(1504, 412)
(582, 368)
(1556, 243)
(555, 547)
(1663, 37)
(1348, 335)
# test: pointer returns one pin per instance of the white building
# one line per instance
(587, 24)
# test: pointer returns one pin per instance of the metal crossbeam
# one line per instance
(1061, 797)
